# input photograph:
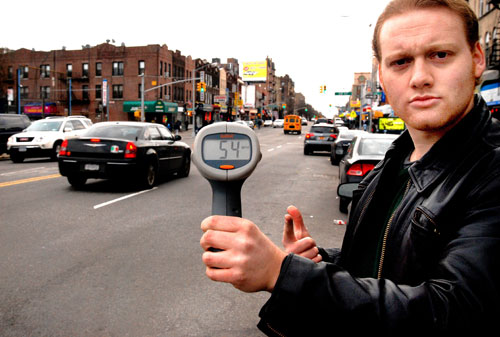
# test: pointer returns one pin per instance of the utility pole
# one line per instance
(143, 114)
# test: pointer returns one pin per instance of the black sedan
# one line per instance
(133, 151)
(365, 151)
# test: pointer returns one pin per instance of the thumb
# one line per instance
(299, 229)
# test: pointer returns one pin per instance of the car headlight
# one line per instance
(10, 140)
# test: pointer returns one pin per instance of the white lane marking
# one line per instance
(122, 198)
(36, 169)
(279, 146)
(269, 150)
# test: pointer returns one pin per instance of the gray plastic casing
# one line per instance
(211, 173)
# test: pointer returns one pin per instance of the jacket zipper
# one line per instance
(386, 233)
(275, 331)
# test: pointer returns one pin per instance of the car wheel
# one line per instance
(186, 167)
(16, 158)
(55, 150)
(150, 175)
(77, 181)
(306, 150)
(344, 205)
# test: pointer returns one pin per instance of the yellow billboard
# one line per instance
(255, 71)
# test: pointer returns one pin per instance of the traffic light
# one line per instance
(306, 109)
(324, 88)
(284, 106)
(198, 86)
(320, 89)
(203, 86)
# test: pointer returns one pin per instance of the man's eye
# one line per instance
(399, 63)
(440, 55)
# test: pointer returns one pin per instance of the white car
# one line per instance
(268, 122)
(43, 137)
(242, 123)
(278, 123)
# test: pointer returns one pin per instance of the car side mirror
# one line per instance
(177, 137)
(346, 190)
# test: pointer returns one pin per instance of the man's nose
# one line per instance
(422, 75)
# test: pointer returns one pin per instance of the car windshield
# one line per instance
(373, 146)
(128, 132)
(322, 129)
(45, 126)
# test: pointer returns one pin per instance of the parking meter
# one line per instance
(226, 154)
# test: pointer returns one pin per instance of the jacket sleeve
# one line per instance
(461, 293)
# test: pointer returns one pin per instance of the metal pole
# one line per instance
(18, 91)
(107, 101)
(194, 102)
(143, 114)
(69, 94)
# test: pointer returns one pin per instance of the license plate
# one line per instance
(91, 167)
(321, 138)
(22, 149)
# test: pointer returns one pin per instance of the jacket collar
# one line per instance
(447, 151)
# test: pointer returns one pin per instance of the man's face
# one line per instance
(427, 68)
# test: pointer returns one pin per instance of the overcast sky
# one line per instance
(315, 42)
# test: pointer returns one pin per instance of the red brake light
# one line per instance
(360, 169)
(333, 136)
(64, 146)
(130, 150)
(95, 140)
(309, 135)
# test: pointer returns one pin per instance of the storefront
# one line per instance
(155, 111)
(490, 91)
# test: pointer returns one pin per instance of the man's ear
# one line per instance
(381, 80)
(479, 60)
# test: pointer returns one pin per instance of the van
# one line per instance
(293, 123)
(11, 124)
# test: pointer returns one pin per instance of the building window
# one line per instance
(117, 90)
(25, 91)
(169, 71)
(69, 70)
(98, 91)
(85, 70)
(44, 92)
(98, 69)
(44, 70)
(139, 90)
(142, 66)
(85, 93)
(24, 72)
(10, 74)
(117, 68)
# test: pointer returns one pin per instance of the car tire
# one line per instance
(307, 151)
(344, 205)
(55, 150)
(77, 181)
(150, 175)
(186, 167)
(16, 157)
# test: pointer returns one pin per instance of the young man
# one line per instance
(421, 253)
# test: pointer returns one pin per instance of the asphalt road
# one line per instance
(113, 261)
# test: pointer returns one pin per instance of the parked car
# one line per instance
(364, 152)
(44, 137)
(304, 121)
(133, 151)
(320, 138)
(268, 122)
(322, 120)
(242, 123)
(340, 145)
(10, 124)
(292, 123)
(278, 123)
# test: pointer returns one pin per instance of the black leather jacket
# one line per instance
(441, 269)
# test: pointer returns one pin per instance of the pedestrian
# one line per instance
(186, 124)
(421, 250)
(177, 126)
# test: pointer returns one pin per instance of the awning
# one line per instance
(151, 106)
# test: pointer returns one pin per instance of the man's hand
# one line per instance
(249, 260)
(296, 238)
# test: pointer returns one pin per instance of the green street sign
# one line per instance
(348, 93)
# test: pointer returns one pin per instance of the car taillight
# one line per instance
(333, 136)
(95, 140)
(63, 150)
(130, 150)
(309, 135)
(360, 169)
